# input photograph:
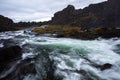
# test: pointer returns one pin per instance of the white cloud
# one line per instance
(37, 10)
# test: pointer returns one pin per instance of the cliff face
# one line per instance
(105, 14)
(65, 16)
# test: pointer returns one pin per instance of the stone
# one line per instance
(106, 66)
(8, 55)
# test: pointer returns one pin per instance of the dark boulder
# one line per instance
(23, 68)
(9, 42)
(101, 67)
(8, 55)
(106, 66)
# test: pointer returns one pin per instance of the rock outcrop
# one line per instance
(8, 55)
(65, 16)
(105, 14)
(5, 23)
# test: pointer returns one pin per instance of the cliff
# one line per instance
(105, 14)
(5, 23)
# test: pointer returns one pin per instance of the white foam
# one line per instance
(28, 55)
(1, 45)
(98, 51)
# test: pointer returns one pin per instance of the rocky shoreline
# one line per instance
(76, 32)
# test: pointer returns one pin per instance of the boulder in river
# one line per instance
(9, 54)
(20, 70)
(106, 66)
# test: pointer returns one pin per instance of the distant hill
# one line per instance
(105, 14)
(5, 23)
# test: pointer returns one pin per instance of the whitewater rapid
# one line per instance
(73, 59)
(67, 56)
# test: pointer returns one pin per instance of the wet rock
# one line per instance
(101, 67)
(46, 70)
(83, 72)
(8, 42)
(8, 55)
(20, 70)
(106, 66)
(86, 75)
(44, 65)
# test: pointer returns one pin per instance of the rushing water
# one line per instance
(72, 59)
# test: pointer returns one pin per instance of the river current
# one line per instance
(71, 59)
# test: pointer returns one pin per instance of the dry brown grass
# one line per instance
(59, 29)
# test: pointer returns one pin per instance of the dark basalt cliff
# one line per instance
(65, 16)
(105, 14)
(5, 23)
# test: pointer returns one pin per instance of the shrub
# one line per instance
(100, 30)
(70, 31)
(63, 30)
(38, 30)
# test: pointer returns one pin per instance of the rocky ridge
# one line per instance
(105, 14)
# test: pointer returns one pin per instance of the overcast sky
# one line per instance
(38, 10)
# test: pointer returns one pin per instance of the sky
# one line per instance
(38, 10)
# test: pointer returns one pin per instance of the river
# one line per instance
(66, 58)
